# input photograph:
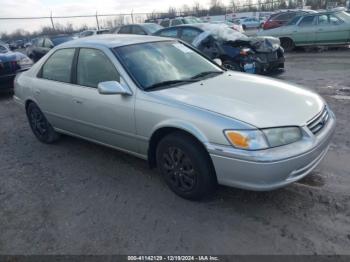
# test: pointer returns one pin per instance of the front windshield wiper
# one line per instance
(169, 83)
(206, 73)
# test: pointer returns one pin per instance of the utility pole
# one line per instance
(98, 25)
(53, 25)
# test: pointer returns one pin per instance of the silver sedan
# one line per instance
(163, 101)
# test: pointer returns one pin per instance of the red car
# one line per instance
(282, 18)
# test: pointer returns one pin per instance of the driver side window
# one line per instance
(95, 67)
(307, 21)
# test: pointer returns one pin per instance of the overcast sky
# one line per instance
(24, 8)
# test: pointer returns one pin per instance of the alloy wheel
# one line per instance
(179, 169)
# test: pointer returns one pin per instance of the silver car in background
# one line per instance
(161, 100)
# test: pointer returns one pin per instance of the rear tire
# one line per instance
(185, 166)
(287, 44)
(41, 128)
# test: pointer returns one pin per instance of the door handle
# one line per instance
(37, 91)
(77, 101)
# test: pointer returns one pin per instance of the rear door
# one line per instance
(305, 32)
(52, 89)
(108, 119)
(331, 30)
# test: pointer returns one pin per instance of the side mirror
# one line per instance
(218, 61)
(113, 88)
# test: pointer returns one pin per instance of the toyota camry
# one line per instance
(161, 100)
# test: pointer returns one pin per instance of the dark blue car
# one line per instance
(257, 55)
(11, 63)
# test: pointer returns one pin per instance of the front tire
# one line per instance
(41, 128)
(185, 166)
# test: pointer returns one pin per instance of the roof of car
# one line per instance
(113, 40)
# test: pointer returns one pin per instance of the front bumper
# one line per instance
(272, 168)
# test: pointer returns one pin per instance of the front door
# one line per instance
(331, 30)
(108, 119)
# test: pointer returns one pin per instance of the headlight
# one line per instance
(262, 139)
(247, 139)
(25, 61)
(282, 136)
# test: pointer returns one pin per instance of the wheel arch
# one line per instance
(166, 129)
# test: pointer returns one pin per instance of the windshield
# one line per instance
(60, 40)
(152, 28)
(151, 64)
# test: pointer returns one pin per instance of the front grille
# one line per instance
(319, 122)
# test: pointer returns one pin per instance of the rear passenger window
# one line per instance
(94, 67)
(58, 66)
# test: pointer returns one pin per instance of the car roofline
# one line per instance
(101, 41)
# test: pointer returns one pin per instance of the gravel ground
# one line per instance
(75, 197)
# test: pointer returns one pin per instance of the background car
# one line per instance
(166, 22)
(93, 32)
(248, 23)
(282, 18)
(10, 64)
(326, 28)
(236, 50)
(137, 29)
(41, 45)
(231, 25)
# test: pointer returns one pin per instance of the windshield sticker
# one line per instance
(183, 48)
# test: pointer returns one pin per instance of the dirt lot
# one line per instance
(75, 197)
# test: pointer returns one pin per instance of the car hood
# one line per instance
(258, 101)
